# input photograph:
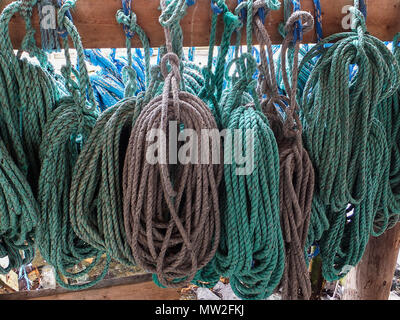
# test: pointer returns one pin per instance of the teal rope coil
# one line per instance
(251, 251)
(388, 113)
(344, 139)
(27, 97)
(66, 131)
(96, 210)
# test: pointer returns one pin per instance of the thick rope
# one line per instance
(66, 131)
(251, 251)
(345, 141)
(171, 212)
(27, 96)
(96, 210)
(388, 113)
(297, 173)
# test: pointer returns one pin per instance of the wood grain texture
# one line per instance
(142, 291)
(372, 278)
(95, 20)
(137, 287)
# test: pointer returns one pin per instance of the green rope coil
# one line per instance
(251, 251)
(27, 96)
(66, 131)
(344, 140)
(96, 210)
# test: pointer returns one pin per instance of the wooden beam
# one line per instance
(372, 278)
(137, 287)
(95, 20)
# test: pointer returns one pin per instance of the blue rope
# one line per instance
(298, 30)
(190, 2)
(318, 20)
(215, 8)
(127, 8)
(191, 54)
(62, 31)
(363, 8)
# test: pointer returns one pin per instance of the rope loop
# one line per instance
(64, 12)
(172, 13)
(128, 20)
(359, 23)
(172, 60)
(219, 6)
(307, 22)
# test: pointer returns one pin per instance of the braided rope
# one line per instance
(96, 210)
(345, 141)
(27, 96)
(297, 174)
(66, 131)
(251, 250)
(173, 230)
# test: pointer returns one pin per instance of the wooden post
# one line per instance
(372, 278)
(96, 23)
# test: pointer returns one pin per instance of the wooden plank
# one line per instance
(95, 20)
(372, 278)
(128, 285)
(141, 291)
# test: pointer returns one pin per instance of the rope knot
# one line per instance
(171, 59)
(307, 22)
(64, 13)
(358, 20)
(129, 78)
(129, 22)
(172, 13)
(219, 6)
(261, 6)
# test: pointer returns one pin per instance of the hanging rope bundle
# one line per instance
(211, 92)
(297, 173)
(32, 92)
(345, 141)
(171, 211)
(251, 251)
(96, 209)
(66, 131)
(388, 113)
(27, 95)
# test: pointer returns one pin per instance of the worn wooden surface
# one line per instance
(137, 287)
(95, 20)
(372, 278)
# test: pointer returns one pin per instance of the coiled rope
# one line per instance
(388, 113)
(297, 173)
(96, 209)
(27, 95)
(251, 251)
(66, 131)
(172, 215)
(345, 141)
